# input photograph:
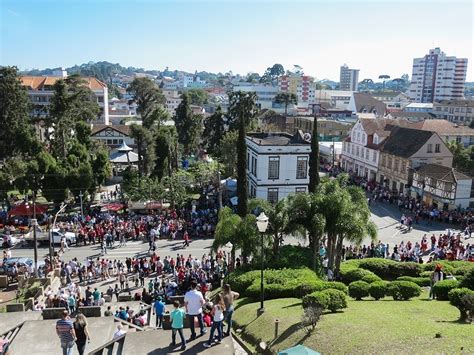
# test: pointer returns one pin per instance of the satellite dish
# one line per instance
(307, 137)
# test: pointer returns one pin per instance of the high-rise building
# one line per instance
(349, 79)
(437, 77)
(300, 85)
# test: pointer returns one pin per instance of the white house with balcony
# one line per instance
(277, 164)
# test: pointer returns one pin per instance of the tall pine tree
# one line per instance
(314, 159)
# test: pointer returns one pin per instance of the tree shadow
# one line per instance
(297, 304)
(288, 332)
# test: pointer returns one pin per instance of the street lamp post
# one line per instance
(262, 224)
(34, 223)
(51, 244)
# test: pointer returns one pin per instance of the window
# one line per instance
(357, 151)
(273, 167)
(374, 157)
(248, 161)
(302, 167)
(254, 166)
(430, 148)
(404, 166)
(437, 150)
(300, 190)
(352, 149)
(272, 195)
(396, 165)
(367, 154)
(384, 161)
(389, 163)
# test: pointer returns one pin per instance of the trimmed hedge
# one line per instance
(337, 299)
(358, 290)
(460, 298)
(371, 278)
(389, 269)
(442, 288)
(468, 280)
(378, 289)
(420, 281)
(292, 256)
(352, 275)
(403, 290)
(318, 298)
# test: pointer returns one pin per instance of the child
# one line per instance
(177, 322)
(218, 313)
(159, 309)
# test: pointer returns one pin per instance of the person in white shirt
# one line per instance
(218, 318)
(119, 331)
(194, 301)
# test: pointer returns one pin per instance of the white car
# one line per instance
(57, 235)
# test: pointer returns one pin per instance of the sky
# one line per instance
(377, 37)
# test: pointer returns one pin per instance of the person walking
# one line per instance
(177, 323)
(229, 297)
(66, 333)
(218, 317)
(194, 301)
(82, 334)
(159, 309)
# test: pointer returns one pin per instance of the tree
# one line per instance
(227, 153)
(71, 103)
(307, 213)
(214, 130)
(384, 77)
(166, 140)
(272, 73)
(463, 158)
(314, 158)
(17, 135)
(286, 98)
(188, 126)
(198, 97)
(144, 142)
(241, 232)
(150, 100)
(242, 110)
(101, 167)
(278, 220)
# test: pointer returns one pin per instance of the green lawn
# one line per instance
(365, 327)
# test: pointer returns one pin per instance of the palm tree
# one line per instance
(286, 98)
(278, 220)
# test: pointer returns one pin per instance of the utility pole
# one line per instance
(82, 210)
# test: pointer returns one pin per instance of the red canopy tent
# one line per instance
(114, 207)
(26, 209)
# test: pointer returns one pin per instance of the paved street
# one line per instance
(385, 216)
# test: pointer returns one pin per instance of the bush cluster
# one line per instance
(378, 290)
(403, 290)
(351, 275)
(371, 278)
(390, 269)
(468, 280)
(463, 299)
(441, 288)
(420, 281)
(358, 289)
(330, 299)
(292, 256)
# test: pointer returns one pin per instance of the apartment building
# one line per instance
(437, 76)
(458, 111)
(301, 85)
(326, 128)
(348, 79)
(265, 93)
(277, 164)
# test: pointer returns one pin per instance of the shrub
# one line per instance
(442, 288)
(337, 299)
(371, 278)
(460, 298)
(390, 269)
(447, 267)
(292, 256)
(358, 289)
(240, 280)
(311, 316)
(468, 280)
(318, 299)
(352, 275)
(403, 290)
(378, 289)
(335, 285)
(420, 281)
(426, 274)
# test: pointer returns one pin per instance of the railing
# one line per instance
(11, 333)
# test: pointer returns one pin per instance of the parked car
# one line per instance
(6, 267)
